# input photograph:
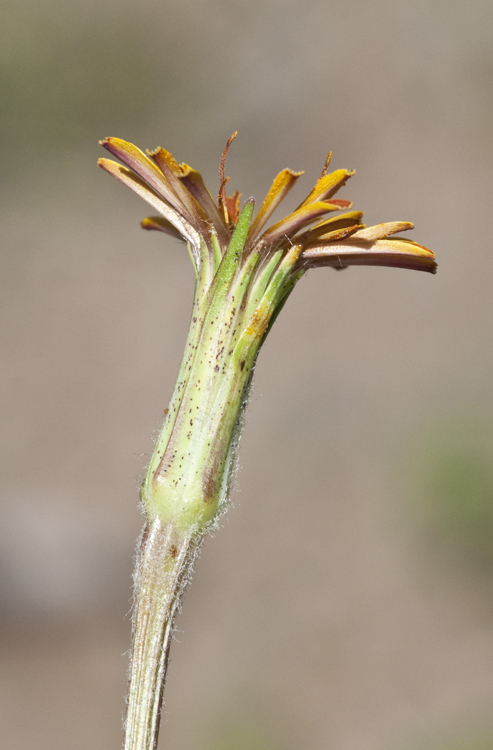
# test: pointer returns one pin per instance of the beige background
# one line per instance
(347, 602)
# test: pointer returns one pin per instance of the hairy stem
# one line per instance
(164, 564)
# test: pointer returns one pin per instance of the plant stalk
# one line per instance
(164, 563)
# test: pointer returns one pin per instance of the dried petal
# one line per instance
(294, 222)
(281, 186)
(162, 225)
(232, 204)
(145, 168)
(141, 188)
(172, 172)
(379, 231)
(195, 184)
(335, 234)
(396, 252)
(328, 185)
(329, 225)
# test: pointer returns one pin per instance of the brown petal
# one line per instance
(232, 204)
(398, 253)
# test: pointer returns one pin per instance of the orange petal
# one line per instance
(328, 185)
(396, 252)
(281, 186)
(379, 231)
(141, 188)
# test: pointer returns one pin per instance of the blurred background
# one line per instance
(347, 601)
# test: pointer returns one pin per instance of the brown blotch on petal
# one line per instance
(341, 203)
(232, 203)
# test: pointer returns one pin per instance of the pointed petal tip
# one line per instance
(110, 141)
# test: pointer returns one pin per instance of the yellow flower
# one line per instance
(188, 211)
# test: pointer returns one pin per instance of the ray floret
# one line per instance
(189, 212)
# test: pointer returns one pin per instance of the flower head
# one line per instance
(245, 269)
(188, 212)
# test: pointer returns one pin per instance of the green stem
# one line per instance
(186, 485)
(164, 564)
